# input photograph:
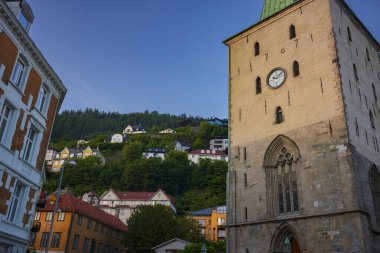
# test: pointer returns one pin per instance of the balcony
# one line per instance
(36, 226)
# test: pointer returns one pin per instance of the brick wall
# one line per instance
(8, 55)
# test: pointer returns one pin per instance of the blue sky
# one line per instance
(136, 55)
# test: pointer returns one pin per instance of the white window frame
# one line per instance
(16, 210)
(61, 216)
(30, 144)
(50, 215)
(21, 84)
(37, 216)
(43, 99)
(6, 137)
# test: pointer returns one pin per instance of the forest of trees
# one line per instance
(195, 186)
(74, 125)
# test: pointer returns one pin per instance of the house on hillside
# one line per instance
(181, 146)
(50, 155)
(68, 153)
(116, 138)
(198, 154)
(91, 197)
(134, 129)
(213, 222)
(219, 143)
(154, 153)
(122, 204)
(78, 227)
(168, 131)
(172, 246)
(218, 122)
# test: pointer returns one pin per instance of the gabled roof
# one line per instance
(70, 203)
(141, 195)
(172, 240)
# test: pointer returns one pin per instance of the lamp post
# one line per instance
(72, 163)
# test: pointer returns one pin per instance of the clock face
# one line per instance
(276, 78)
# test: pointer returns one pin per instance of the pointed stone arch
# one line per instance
(281, 163)
(285, 240)
(374, 184)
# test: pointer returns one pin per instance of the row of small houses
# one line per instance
(99, 222)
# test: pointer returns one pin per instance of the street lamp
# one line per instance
(72, 163)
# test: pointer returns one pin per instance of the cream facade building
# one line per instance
(304, 130)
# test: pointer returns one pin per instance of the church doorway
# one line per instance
(285, 240)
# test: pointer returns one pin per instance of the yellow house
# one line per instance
(212, 221)
(67, 153)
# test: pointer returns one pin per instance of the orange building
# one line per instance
(78, 227)
(213, 222)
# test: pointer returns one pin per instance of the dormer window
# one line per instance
(24, 21)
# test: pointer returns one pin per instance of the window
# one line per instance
(368, 58)
(30, 140)
(15, 202)
(371, 119)
(245, 154)
(374, 183)
(85, 244)
(281, 162)
(374, 92)
(202, 222)
(258, 85)
(24, 21)
(55, 240)
(356, 73)
(357, 127)
(37, 216)
(89, 223)
(279, 116)
(61, 216)
(42, 96)
(49, 216)
(44, 238)
(221, 221)
(18, 73)
(32, 239)
(246, 213)
(245, 180)
(296, 69)
(349, 34)
(79, 220)
(292, 32)
(257, 48)
(5, 118)
(97, 226)
(76, 241)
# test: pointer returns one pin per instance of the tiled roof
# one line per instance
(207, 152)
(70, 203)
(139, 196)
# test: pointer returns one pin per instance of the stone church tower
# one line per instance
(304, 110)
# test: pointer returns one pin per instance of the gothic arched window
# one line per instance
(257, 48)
(258, 85)
(374, 92)
(368, 58)
(279, 116)
(281, 163)
(374, 183)
(296, 69)
(292, 32)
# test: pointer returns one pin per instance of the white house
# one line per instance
(117, 138)
(198, 154)
(122, 204)
(180, 147)
(91, 197)
(219, 143)
(168, 131)
(134, 129)
(172, 246)
(154, 153)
